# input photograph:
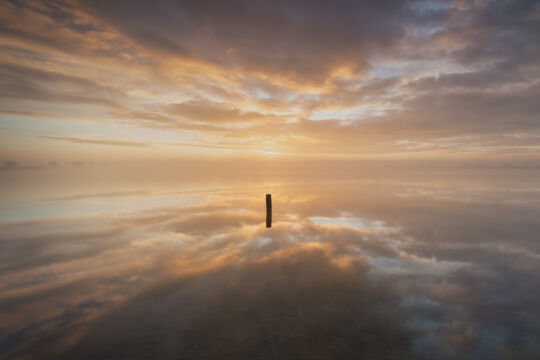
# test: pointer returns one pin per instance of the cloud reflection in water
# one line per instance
(356, 269)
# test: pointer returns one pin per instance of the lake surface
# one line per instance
(424, 264)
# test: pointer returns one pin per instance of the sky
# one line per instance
(132, 80)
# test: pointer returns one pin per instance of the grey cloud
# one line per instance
(302, 40)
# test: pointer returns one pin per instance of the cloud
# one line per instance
(99, 195)
(302, 40)
(100, 142)
(27, 83)
(200, 111)
(371, 78)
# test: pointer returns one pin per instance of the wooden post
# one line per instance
(268, 210)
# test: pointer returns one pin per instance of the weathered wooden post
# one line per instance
(268, 210)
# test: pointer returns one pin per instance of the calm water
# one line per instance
(430, 264)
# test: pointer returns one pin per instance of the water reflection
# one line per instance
(424, 267)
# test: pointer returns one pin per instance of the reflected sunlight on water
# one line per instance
(430, 265)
